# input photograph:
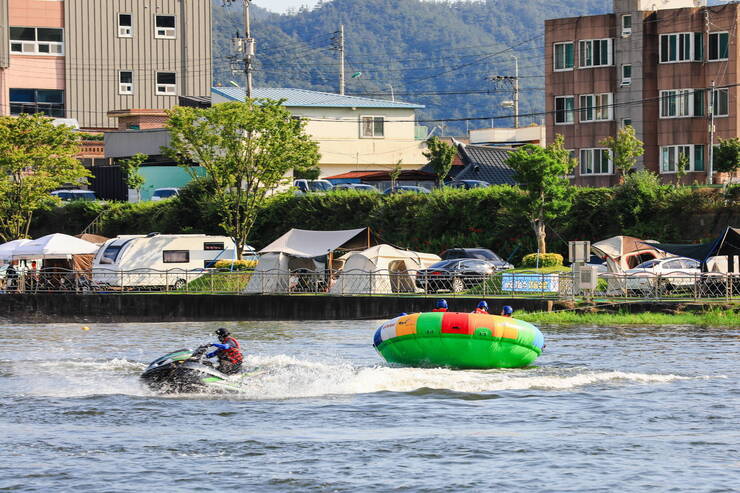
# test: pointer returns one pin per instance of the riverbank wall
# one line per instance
(70, 308)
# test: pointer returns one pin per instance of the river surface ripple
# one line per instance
(605, 409)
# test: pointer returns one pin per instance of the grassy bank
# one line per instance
(709, 318)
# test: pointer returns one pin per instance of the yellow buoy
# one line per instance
(85, 327)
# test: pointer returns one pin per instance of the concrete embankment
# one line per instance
(44, 308)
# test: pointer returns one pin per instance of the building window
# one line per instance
(721, 102)
(50, 102)
(166, 83)
(125, 26)
(36, 41)
(670, 155)
(681, 47)
(719, 46)
(164, 27)
(626, 75)
(681, 103)
(176, 256)
(564, 110)
(125, 82)
(626, 25)
(564, 59)
(595, 107)
(595, 162)
(372, 126)
(594, 53)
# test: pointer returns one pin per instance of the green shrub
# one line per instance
(235, 265)
(545, 260)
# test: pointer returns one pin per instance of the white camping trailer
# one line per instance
(158, 260)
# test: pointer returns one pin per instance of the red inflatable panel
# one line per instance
(455, 323)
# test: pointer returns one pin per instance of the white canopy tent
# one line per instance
(55, 246)
(7, 249)
(306, 252)
(381, 269)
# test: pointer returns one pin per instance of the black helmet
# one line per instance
(221, 333)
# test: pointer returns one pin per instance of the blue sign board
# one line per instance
(530, 283)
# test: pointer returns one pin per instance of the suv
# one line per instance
(70, 195)
(478, 253)
(359, 187)
(306, 186)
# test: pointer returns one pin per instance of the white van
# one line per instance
(156, 260)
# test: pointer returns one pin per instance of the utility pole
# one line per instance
(513, 83)
(244, 47)
(337, 44)
(710, 164)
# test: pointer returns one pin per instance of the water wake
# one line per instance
(287, 377)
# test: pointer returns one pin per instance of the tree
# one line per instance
(440, 155)
(681, 167)
(541, 173)
(36, 157)
(130, 168)
(625, 148)
(311, 173)
(395, 173)
(727, 156)
(246, 149)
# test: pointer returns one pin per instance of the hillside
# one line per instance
(436, 54)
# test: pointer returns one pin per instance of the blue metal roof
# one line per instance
(305, 98)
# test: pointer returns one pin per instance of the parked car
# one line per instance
(165, 193)
(306, 186)
(468, 184)
(360, 187)
(479, 253)
(70, 195)
(454, 275)
(405, 189)
(666, 273)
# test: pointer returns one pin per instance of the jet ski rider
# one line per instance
(228, 353)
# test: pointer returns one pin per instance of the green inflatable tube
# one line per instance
(459, 340)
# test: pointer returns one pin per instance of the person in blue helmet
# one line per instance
(481, 308)
(507, 311)
(440, 306)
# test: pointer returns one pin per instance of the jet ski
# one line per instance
(187, 370)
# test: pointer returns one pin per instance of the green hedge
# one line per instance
(542, 260)
(445, 218)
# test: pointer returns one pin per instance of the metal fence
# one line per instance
(678, 286)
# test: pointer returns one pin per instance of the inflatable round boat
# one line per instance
(459, 340)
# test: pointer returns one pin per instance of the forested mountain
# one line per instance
(434, 53)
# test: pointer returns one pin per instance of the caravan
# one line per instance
(156, 260)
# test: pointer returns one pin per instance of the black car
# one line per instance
(478, 253)
(468, 184)
(454, 275)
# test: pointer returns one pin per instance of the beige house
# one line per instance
(353, 133)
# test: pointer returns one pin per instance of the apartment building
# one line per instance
(666, 67)
(80, 59)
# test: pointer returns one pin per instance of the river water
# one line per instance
(605, 409)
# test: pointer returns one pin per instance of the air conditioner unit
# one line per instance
(166, 32)
(626, 33)
(126, 88)
(586, 278)
(165, 89)
(125, 31)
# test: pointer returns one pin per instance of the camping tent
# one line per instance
(625, 252)
(726, 245)
(381, 269)
(306, 252)
(7, 249)
(55, 246)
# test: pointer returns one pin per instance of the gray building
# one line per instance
(81, 59)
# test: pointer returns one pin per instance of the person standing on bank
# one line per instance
(228, 352)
